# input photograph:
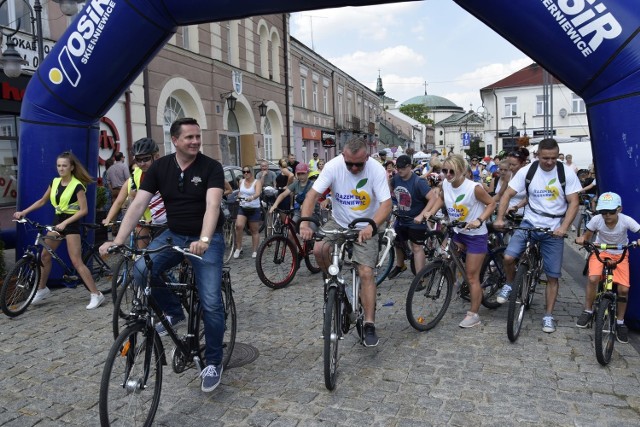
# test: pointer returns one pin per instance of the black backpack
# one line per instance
(561, 177)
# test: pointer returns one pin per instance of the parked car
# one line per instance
(233, 174)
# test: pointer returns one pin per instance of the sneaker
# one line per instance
(255, 254)
(40, 295)
(370, 337)
(584, 320)
(396, 270)
(503, 295)
(470, 320)
(622, 333)
(174, 323)
(548, 324)
(96, 301)
(237, 253)
(211, 376)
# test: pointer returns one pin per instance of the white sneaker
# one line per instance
(237, 253)
(96, 300)
(40, 295)
(255, 254)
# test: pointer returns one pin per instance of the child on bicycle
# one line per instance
(67, 194)
(611, 227)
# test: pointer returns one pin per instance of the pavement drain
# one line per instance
(243, 354)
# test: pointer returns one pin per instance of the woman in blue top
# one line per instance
(67, 194)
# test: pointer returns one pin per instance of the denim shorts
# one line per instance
(551, 248)
(252, 214)
(477, 244)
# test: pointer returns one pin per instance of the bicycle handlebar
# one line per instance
(601, 247)
(25, 220)
(128, 250)
(348, 233)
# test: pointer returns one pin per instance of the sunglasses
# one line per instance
(449, 171)
(608, 211)
(246, 171)
(181, 182)
(301, 174)
(352, 164)
(144, 159)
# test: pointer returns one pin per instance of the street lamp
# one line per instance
(262, 108)
(68, 7)
(231, 100)
(524, 124)
(11, 60)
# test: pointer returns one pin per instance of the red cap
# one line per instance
(302, 168)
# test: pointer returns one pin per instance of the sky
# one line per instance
(432, 41)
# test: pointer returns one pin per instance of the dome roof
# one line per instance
(434, 102)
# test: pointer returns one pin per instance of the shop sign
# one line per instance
(328, 139)
(311, 134)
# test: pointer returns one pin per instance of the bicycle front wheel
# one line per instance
(19, 286)
(517, 302)
(387, 265)
(122, 276)
(492, 277)
(429, 296)
(277, 262)
(132, 378)
(331, 331)
(605, 330)
(310, 259)
(230, 319)
(229, 234)
(123, 305)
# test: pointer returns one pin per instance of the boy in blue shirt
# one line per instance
(611, 227)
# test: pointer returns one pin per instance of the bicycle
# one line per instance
(342, 307)
(132, 377)
(21, 282)
(585, 214)
(278, 257)
(605, 306)
(431, 290)
(528, 272)
(230, 211)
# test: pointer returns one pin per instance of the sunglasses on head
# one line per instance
(608, 211)
(352, 164)
(449, 171)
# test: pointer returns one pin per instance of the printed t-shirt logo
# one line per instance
(458, 212)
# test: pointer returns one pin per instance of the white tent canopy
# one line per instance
(421, 155)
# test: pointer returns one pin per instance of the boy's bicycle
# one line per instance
(279, 256)
(342, 305)
(605, 306)
(431, 290)
(132, 377)
(21, 282)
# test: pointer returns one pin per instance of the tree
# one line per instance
(417, 112)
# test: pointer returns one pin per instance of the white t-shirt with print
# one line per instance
(353, 195)
(462, 205)
(545, 194)
(616, 235)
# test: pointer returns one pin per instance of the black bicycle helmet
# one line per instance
(144, 146)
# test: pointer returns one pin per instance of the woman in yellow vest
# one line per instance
(145, 152)
(67, 194)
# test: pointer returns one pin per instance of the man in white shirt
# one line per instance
(359, 189)
(550, 204)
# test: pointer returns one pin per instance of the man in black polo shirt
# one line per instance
(191, 185)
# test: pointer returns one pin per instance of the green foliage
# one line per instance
(101, 197)
(474, 148)
(417, 112)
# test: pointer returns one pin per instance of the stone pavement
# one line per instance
(51, 361)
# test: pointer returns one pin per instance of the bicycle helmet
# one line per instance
(145, 146)
(433, 179)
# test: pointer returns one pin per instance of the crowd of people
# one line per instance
(185, 190)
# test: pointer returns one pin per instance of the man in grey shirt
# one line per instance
(118, 174)
(265, 176)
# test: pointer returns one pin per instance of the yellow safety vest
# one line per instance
(65, 207)
(135, 186)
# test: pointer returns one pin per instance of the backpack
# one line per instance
(561, 177)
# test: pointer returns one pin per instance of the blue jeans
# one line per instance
(551, 249)
(208, 273)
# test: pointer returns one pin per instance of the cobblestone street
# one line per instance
(52, 358)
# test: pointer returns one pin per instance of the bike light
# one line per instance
(334, 270)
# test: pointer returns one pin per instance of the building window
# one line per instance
(510, 106)
(185, 37)
(539, 105)
(268, 140)
(13, 11)
(577, 104)
(314, 94)
(172, 111)
(340, 110)
(303, 92)
(325, 99)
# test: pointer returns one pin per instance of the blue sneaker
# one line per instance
(174, 323)
(211, 376)
(503, 295)
(548, 324)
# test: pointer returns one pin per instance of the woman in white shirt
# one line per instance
(249, 211)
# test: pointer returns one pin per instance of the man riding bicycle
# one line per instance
(552, 202)
(360, 190)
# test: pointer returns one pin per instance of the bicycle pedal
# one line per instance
(72, 278)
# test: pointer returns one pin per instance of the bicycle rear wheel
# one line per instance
(492, 277)
(517, 302)
(277, 262)
(605, 330)
(100, 269)
(132, 378)
(331, 331)
(387, 266)
(19, 286)
(429, 296)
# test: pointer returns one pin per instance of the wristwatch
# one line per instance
(205, 239)
(481, 221)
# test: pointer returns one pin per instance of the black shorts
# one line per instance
(417, 234)
(73, 228)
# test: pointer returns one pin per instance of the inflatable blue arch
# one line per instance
(592, 46)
